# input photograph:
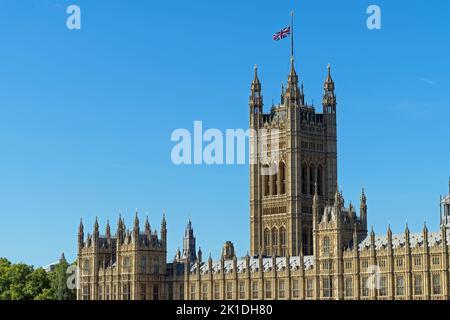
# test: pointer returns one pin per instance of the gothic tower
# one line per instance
(292, 148)
(189, 253)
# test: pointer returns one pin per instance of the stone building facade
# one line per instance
(305, 243)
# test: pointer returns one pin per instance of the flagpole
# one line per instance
(292, 34)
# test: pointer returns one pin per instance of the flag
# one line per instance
(285, 32)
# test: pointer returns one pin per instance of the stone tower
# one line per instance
(188, 253)
(445, 208)
(292, 147)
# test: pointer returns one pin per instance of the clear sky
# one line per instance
(86, 116)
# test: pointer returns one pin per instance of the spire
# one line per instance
(147, 226)
(255, 77)
(108, 229)
(363, 198)
(63, 258)
(136, 222)
(164, 229)
(96, 226)
(329, 98)
(81, 227)
(163, 222)
(425, 229)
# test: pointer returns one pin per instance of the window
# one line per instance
(115, 296)
(275, 241)
(348, 264)
(192, 291)
(326, 265)
(274, 178)
(86, 267)
(320, 180)
(382, 290)
(143, 264)
(267, 241)
(86, 293)
(327, 288)
(399, 262)
(417, 261)
(304, 179)
(126, 264)
(156, 266)
(268, 291)
(126, 292)
(295, 290)
(229, 290)
(100, 292)
(365, 286)
(365, 264)
(312, 179)
(155, 292)
(417, 285)
(216, 291)
(348, 283)
(205, 291)
(242, 290)
(326, 245)
(283, 241)
(436, 260)
(382, 263)
(400, 285)
(436, 280)
(181, 291)
(266, 181)
(309, 288)
(143, 292)
(107, 292)
(281, 289)
(282, 178)
(255, 289)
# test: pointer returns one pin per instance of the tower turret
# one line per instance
(189, 253)
(363, 209)
(164, 230)
(256, 99)
(136, 228)
(80, 235)
(329, 97)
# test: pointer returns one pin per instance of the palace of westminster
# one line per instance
(304, 242)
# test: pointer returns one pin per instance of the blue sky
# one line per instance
(86, 116)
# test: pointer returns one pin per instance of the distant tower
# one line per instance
(189, 244)
(445, 208)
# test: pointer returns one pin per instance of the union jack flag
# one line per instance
(285, 32)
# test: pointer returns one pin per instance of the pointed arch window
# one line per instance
(275, 241)
(267, 241)
(326, 245)
(283, 241)
(320, 180)
(282, 173)
(312, 179)
(304, 178)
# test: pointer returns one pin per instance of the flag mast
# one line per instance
(292, 34)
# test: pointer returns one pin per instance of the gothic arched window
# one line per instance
(326, 245)
(275, 241)
(282, 178)
(267, 241)
(274, 184)
(304, 178)
(312, 179)
(283, 241)
(320, 180)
